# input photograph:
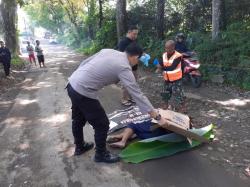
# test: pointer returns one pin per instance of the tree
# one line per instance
(8, 11)
(160, 19)
(216, 14)
(47, 14)
(1, 26)
(72, 11)
(91, 18)
(121, 18)
(100, 13)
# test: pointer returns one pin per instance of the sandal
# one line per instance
(132, 100)
(126, 103)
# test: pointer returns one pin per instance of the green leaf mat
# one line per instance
(162, 146)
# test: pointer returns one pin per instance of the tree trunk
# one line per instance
(160, 19)
(1, 24)
(72, 15)
(223, 22)
(216, 14)
(121, 18)
(100, 13)
(91, 14)
(8, 11)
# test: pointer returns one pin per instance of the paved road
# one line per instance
(36, 142)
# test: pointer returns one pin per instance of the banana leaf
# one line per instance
(162, 146)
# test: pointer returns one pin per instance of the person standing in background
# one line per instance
(172, 73)
(30, 50)
(39, 54)
(130, 38)
(5, 58)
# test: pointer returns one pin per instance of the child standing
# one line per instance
(30, 50)
(39, 53)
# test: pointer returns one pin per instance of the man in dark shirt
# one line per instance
(5, 58)
(130, 37)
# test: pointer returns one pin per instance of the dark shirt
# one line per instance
(174, 64)
(122, 46)
(5, 55)
(181, 47)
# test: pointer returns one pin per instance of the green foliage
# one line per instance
(68, 38)
(152, 46)
(246, 82)
(106, 37)
(17, 62)
(46, 16)
(229, 56)
(76, 23)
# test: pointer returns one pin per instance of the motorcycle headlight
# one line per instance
(196, 66)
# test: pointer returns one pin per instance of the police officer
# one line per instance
(104, 68)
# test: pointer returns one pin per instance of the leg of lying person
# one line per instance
(142, 131)
(115, 138)
(126, 135)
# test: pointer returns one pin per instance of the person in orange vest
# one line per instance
(172, 73)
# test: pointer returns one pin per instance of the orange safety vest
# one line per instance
(175, 74)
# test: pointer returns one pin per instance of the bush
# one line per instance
(17, 62)
(229, 55)
(105, 38)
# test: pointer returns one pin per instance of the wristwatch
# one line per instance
(158, 117)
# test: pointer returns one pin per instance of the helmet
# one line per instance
(180, 35)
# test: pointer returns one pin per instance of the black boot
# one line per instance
(106, 156)
(80, 149)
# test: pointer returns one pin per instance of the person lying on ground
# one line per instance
(143, 130)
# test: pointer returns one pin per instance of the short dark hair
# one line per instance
(132, 27)
(134, 49)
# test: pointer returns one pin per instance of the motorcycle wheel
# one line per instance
(196, 80)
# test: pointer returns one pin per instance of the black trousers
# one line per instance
(86, 109)
(6, 66)
(40, 58)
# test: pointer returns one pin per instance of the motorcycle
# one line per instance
(191, 71)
